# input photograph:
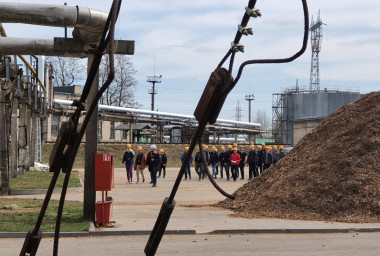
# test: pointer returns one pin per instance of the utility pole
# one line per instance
(153, 79)
(238, 111)
(250, 98)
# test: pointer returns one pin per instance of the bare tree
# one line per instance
(263, 118)
(67, 70)
(121, 92)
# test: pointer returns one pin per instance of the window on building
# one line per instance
(55, 125)
(124, 134)
(112, 130)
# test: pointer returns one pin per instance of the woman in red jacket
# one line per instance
(235, 160)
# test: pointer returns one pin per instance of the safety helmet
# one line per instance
(153, 147)
(186, 148)
(162, 151)
(229, 146)
(274, 147)
(270, 148)
(263, 144)
(222, 148)
(281, 147)
(139, 148)
(235, 148)
(259, 147)
(129, 146)
(213, 148)
(235, 144)
(252, 146)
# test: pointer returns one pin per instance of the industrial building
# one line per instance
(296, 111)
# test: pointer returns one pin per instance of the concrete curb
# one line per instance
(41, 191)
(193, 232)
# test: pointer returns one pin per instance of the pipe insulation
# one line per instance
(163, 114)
(88, 23)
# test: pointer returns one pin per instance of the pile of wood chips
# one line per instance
(332, 174)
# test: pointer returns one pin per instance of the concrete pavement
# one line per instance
(136, 207)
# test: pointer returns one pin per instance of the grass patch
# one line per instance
(20, 215)
(41, 180)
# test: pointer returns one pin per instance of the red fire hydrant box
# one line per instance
(104, 172)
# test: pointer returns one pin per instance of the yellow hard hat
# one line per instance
(270, 148)
(274, 147)
(139, 148)
(259, 147)
(129, 146)
(162, 151)
(263, 144)
(213, 148)
(235, 148)
(222, 147)
(235, 144)
(229, 146)
(281, 147)
(252, 146)
(186, 148)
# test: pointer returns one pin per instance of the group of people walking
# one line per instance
(230, 162)
(233, 160)
(155, 161)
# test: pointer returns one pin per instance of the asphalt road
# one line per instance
(221, 245)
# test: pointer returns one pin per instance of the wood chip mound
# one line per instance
(332, 174)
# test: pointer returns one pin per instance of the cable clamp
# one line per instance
(237, 47)
(245, 30)
(253, 12)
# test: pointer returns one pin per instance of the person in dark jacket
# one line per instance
(164, 161)
(198, 163)
(243, 157)
(207, 155)
(214, 160)
(187, 171)
(222, 160)
(267, 158)
(128, 160)
(252, 162)
(260, 159)
(227, 163)
(282, 153)
(153, 162)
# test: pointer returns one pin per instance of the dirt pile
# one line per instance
(332, 174)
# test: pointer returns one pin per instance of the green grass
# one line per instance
(41, 180)
(25, 213)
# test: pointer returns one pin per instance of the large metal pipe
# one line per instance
(164, 114)
(88, 23)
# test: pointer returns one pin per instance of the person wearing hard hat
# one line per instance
(214, 160)
(128, 160)
(235, 161)
(276, 155)
(260, 154)
(222, 160)
(243, 157)
(140, 163)
(207, 155)
(198, 163)
(153, 162)
(252, 162)
(267, 159)
(281, 153)
(187, 170)
(163, 162)
(228, 161)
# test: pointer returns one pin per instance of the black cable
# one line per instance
(209, 174)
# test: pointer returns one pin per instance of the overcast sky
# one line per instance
(189, 38)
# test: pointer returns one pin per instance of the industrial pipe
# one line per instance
(166, 114)
(88, 23)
